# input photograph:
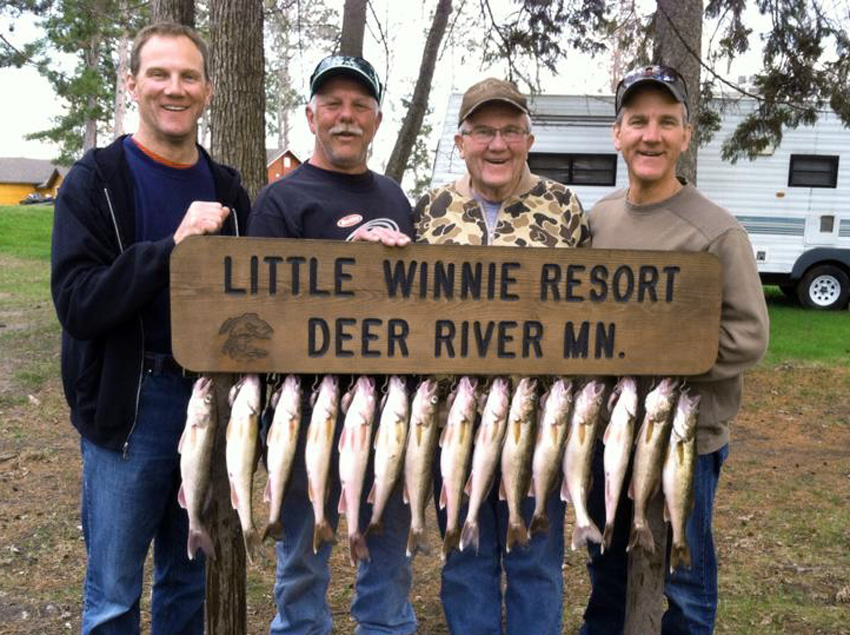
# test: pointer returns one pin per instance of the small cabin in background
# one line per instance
(279, 163)
(21, 177)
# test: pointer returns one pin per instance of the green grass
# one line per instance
(798, 334)
(25, 231)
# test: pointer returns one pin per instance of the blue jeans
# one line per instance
(471, 590)
(691, 593)
(380, 603)
(129, 502)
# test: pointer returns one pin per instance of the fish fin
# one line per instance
(680, 452)
(199, 539)
(565, 492)
(234, 497)
(416, 543)
(180, 443)
(267, 492)
(341, 506)
(371, 498)
(666, 512)
(530, 493)
(443, 496)
(181, 497)
(581, 535)
(468, 487)
(418, 435)
(607, 433)
(631, 491)
(357, 549)
(650, 426)
(503, 494)
(343, 437)
(322, 533)
(680, 555)
(539, 524)
(582, 433)
(310, 488)
(329, 429)
(273, 529)
(252, 543)
(641, 536)
(469, 535)
(553, 433)
(517, 534)
(405, 497)
(517, 429)
(607, 536)
(450, 542)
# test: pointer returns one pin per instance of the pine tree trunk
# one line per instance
(123, 47)
(419, 103)
(238, 106)
(353, 27)
(678, 43)
(179, 11)
(92, 60)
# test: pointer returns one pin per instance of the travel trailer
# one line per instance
(793, 200)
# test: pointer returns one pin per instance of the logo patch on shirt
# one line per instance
(348, 221)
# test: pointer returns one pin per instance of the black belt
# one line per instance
(164, 364)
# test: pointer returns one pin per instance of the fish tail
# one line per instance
(322, 533)
(357, 548)
(469, 535)
(680, 555)
(417, 543)
(451, 542)
(200, 539)
(539, 523)
(517, 534)
(584, 533)
(641, 536)
(273, 529)
(252, 542)
(607, 536)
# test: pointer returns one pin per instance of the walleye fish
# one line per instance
(317, 454)
(578, 461)
(549, 450)
(281, 442)
(195, 448)
(619, 440)
(353, 458)
(677, 476)
(485, 456)
(651, 443)
(241, 453)
(419, 461)
(516, 459)
(389, 449)
(456, 444)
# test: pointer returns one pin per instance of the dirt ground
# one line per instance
(782, 520)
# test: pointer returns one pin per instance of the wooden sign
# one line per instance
(310, 306)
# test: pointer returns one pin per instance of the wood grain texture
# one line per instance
(275, 305)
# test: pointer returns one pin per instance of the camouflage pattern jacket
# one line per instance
(543, 213)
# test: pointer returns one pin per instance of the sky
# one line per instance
(34, 105)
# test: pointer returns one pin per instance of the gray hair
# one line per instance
(527, 117)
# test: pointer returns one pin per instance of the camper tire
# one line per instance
(824, 287)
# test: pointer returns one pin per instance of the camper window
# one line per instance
(812, 170)
(575, 169)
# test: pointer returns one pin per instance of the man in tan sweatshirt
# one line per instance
(660, 211)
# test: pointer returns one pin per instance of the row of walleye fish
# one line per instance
(536, 444)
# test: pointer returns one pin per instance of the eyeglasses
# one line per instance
(486, 134)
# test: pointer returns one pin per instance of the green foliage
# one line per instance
(88, 30)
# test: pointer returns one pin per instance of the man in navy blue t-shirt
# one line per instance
(335, 196)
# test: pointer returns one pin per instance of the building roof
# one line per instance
(36, 172)
(273, 154)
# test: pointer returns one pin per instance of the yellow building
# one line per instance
(20, 177)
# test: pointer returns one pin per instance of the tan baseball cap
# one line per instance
(487, 90)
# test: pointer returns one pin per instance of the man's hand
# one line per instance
(201, 218)
(388, 237)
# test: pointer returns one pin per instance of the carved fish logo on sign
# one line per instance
(241, 333)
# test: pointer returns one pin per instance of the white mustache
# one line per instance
(346, 128)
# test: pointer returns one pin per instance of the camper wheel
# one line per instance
(824, 287)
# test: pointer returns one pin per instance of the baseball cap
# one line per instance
(354, 67)
(487, 90)
(665, 76)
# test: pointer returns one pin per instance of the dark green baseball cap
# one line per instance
(355, 67)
